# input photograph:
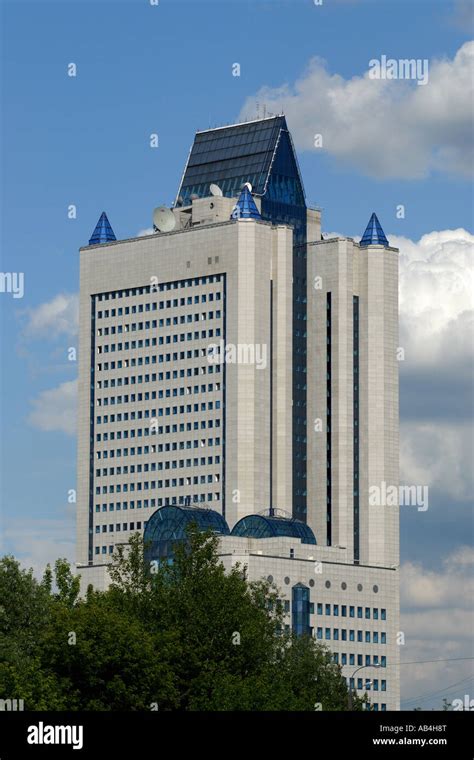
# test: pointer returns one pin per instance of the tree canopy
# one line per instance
(186, 636)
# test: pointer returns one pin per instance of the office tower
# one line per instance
(238, 371)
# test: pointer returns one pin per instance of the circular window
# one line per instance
(375, 589)
(270, 579)
(328, 584)
(311, 582)
(343, 585)
(359, 587)
(287, 580)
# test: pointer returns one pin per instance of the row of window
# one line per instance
(118, 527)
(359, 659)
(144, 450)
(153, 466)
(361, 612)
(153, 428)
(369, 637)
(152, 324)
(188, 390)
(157, 484)
(131, 345)
(162, 502)
(158, 305)
(160, 341)
(367, 684)
(147, 432)
(205, 369)
(158, 287)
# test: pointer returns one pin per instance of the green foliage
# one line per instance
(188, 636)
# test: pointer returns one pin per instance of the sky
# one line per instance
(74, 146)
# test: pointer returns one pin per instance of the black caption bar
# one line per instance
(415, 734)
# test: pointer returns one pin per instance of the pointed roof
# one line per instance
(231, 155)
(374, 234)
(103, 232)
(245, 207)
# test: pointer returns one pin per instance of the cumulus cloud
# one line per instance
(55, 409)
(436, 328)
(437, 620)
(60, 316)
(436, 297)
(384, 128)
(43, 542)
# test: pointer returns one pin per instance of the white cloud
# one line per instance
(437, 620)
(147, 231)
(384, 128)
(42, 542)
(60, 316)
(436, 328)
(436, 297)
(55, 409)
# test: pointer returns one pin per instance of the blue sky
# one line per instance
(167, 69)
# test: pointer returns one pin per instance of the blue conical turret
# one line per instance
(374, 234)
(245, 207)
(103, 232)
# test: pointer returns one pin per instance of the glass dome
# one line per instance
(261, 526)
(168, 525)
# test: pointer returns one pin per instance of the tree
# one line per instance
(189, 636)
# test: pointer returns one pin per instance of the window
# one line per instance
(383, 614)
(320, 608)
(328, 609)
(327, 634)
(344, 611)
(383, 685)
(300, 609)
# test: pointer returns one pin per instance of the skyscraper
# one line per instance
(239, 371)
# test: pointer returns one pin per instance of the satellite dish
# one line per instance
(248, 185)
(215, 190)
(163, 219)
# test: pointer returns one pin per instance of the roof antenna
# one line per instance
(258, 110)
(264, 110)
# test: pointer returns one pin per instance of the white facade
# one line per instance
(162, 423)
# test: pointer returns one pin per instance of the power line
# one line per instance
(422, 697)
(451, 659)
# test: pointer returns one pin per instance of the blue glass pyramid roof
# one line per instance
(230, 156)
(245, 207)
(103, 232)
(374, 234)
